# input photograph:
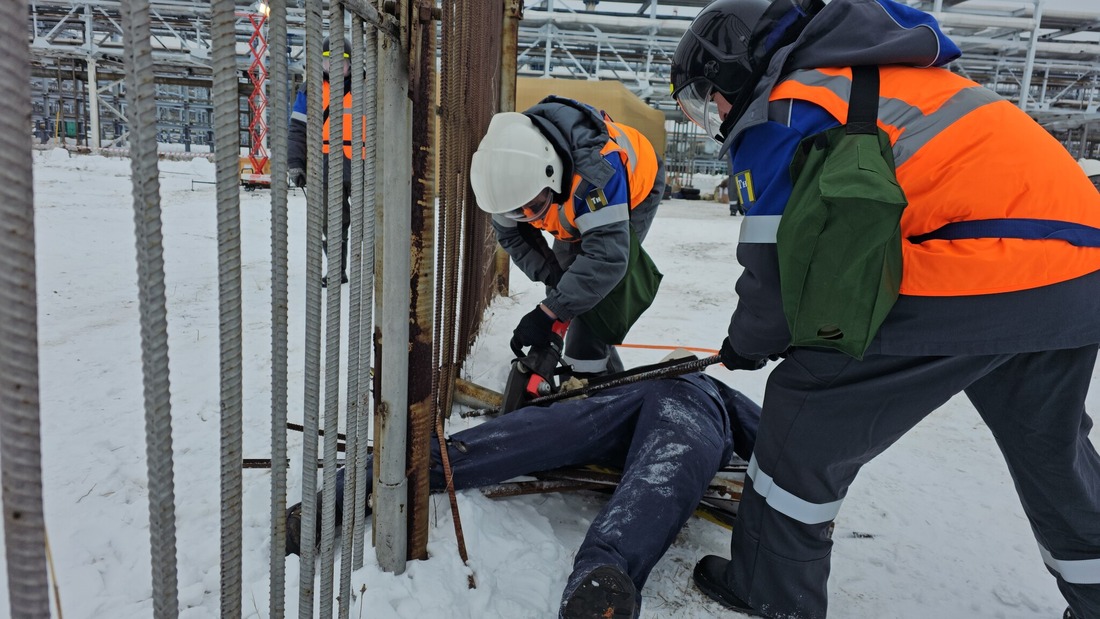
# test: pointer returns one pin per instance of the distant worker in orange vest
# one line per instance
(999, 291)
(594, 184)
(296, 150)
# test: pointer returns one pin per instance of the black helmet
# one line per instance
(727, 49)
(325, 47)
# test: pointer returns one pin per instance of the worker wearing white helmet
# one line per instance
(563, 167)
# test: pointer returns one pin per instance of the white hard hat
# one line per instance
(513, 163)
(1090, 166)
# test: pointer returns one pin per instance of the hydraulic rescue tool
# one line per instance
(535, 374)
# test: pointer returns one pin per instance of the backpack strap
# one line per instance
(1078, 235)
(863, 101)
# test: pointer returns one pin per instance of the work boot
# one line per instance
(294, 530)
(605, 593)
(710, 578)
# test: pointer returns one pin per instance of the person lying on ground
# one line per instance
(669, 437)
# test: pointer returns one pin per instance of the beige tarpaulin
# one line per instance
(612, 97)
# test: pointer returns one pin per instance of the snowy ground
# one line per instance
(932, 528)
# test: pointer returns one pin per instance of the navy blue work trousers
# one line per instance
(669, 437)
(826, 415)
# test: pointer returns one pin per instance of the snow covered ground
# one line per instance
(932, 528)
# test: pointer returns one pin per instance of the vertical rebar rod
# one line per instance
(335, 268)
(351, 463)
(280, 98)
(20, 424)
(312, 377)
(369, 111)
(227, 154)
(141, 116)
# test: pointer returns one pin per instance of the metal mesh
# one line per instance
(471, 38)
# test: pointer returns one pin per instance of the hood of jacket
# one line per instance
(578, 133)
(850, 33)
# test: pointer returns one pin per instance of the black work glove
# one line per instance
(297, 177)
(734, 361)
(533, 330)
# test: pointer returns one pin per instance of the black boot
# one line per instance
(605, 593)
(294, 528)
(710, 577)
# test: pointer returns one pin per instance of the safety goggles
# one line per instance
(696, 99)
(326, 54)
(533, 210)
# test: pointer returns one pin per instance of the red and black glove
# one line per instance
(734, 361)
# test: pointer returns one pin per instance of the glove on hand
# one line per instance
(297, 177)
(533, 330)
(734, 361)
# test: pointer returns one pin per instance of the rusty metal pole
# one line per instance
(421, 361)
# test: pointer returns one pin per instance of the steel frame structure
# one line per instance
(1046, 60)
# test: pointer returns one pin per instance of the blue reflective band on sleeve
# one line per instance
(1075, 234)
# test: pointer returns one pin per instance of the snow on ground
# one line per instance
(932, 528)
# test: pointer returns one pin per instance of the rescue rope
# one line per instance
(710, 351)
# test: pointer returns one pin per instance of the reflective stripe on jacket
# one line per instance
(346, 124)
(640, 162)
(957, 149)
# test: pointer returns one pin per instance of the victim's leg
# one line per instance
(680, 441)
(594, 430)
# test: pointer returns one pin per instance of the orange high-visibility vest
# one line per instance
(964, 154)
(640, 160)
(346, 126)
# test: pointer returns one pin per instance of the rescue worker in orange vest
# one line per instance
(564, 168)
(999, 297)
(296, 150)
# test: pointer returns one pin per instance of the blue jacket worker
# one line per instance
(296, 151)
(998, 294)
